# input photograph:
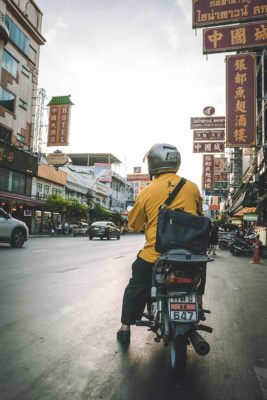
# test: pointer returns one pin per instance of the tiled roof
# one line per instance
(59, 100)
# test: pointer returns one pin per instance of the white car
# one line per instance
(12, 230)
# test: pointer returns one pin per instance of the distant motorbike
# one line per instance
(225, 239)
(175, 311)
(246, 247)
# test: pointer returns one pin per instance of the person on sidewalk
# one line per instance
(214, 238)
(163, 163)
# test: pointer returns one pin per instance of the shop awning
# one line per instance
(19, 198)
(245, 210)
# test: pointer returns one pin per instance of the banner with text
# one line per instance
(208, 171)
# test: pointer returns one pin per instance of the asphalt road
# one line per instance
(60, 302)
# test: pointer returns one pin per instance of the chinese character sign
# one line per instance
(208, 171)
(208, 134)
(58, 125)
(208, 147)
(241, 100)
(235, 37)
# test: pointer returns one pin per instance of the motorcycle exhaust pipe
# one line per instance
(200, 345)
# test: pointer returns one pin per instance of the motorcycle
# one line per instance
(225, 239)
(246, 247)
(174, 313)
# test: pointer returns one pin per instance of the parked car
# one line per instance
(81, 229)
(103, 229)
(12, 230)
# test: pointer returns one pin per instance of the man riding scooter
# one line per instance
(163, 163)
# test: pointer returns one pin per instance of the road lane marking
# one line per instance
(38, 251)
(261, 374)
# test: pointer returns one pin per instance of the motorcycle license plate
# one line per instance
(183, 308)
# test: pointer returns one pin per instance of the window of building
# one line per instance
(17, 36)
(46, 191)
(21, 138)
(25, 71)
(5, 134)
(7, 100)
(57, 192)
(18, 182)
(23, 104)
(10, 64)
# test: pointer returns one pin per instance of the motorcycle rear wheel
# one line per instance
(234, 251)
(178, 349)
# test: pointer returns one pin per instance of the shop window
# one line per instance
(7, 100)
(10, 64)
(4, 178)
(17, 36)
(28, 186)
(20, 138)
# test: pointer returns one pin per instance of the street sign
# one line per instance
(207, 122)
(208, 147)
(57, 158)
(209, 134)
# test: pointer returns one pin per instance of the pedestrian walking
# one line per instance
(214, 238)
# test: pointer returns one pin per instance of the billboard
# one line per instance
(220, 165)
(235, 37)
(58, 125)
(138, 177)
(207, 122)
(221, 12)
(209, 134)
(208, 147)
(102, 172)
(241, 100)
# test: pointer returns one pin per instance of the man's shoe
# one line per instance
(123, 336)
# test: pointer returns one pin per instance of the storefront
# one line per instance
(17, 168)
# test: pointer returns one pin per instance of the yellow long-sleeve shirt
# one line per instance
(148, 202)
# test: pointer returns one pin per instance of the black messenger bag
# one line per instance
(178, 229)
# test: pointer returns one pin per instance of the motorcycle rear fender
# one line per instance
(179, 329)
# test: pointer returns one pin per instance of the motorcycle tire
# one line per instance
(178, 350)
(234, 251)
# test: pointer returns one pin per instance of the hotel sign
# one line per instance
(241, 100)
(235, 37)
(207, 122)
(208, 147)
(207, 134)
(221, 12)
(58, 125)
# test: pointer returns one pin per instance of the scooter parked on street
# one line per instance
(175, 311)
(245, 246)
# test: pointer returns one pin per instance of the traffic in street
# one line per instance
(60, 310)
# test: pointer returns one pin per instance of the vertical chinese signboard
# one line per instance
(59, 121)
(241, 100)
(208, 171)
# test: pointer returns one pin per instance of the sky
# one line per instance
(136, 75)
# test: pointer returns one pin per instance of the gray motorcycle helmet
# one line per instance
(163, 158)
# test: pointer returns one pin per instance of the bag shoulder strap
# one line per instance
(175, 191)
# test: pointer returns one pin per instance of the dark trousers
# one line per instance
(137, 292)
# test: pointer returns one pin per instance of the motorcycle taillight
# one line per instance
(182, 277)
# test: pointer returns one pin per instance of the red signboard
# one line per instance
(223, 177)
(208, 171)
(235, 37)
(208, 147)
(220, 12)
(58, 125)
(207, 122)
(137, 177)
(206, 134)
(241, 100)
